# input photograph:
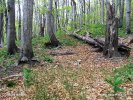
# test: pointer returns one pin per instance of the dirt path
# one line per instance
(94, 63)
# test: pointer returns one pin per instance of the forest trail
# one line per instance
(86, 57)
(44, 53)
(91, 68)
(94, 63)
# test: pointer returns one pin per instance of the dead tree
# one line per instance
(111, 37)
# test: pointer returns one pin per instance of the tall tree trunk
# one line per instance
(57, 15)
(74, 12)
(102, 11)
(84, 11)
(113, 4)
(128, 18)
(67, 13)
(2, 2)
(19, 21)
(121, 8)
(89, 10)
(26, 36)
(116, 7)
(11, 32)
(94, 19)
(42, 24)
(63, 14)
(111, 40)
(1, 29)
(51, 25)
(6, 18)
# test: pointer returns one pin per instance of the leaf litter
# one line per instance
(79, 76)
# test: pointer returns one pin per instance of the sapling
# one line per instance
(115, 82)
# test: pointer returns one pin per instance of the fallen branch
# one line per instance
(61, 53)
(10, 77)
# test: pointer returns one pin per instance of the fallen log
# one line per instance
(99, 44)
(87, 39)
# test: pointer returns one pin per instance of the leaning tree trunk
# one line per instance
(128, 19)
(11, 33)
(111, 39)
(26, 36)
(50, 25)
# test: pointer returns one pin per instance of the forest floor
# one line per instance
(79, 76)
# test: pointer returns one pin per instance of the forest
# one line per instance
(66, 50)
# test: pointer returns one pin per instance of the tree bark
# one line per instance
(102, 11)
(121, 9)
(51, 25)
(11, 32)
(42, 24)
(19, 22)
(99, 44)
(26, 36)
(74, 13)
(128, 17)
(2, 2)
(111, 37)
(1, 29)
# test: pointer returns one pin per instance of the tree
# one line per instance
(2, 4)
(121, 9)
(19, 20)
(11, 32)
(128, 19)
(26, 36)
(102, 11)
(74, 12)
(1, 28)
(42, 24)
(51, 25)
(111, 37)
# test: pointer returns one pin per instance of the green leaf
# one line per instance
(117, 89)
(117, 80)
(27, 73)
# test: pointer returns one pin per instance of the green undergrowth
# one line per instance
(38, 48)
(120, 76)
(94, 30)
(27, 74)
(65, 39)
(98, 30)
(7, 60)
(126, 72)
